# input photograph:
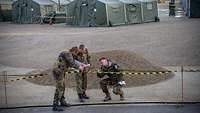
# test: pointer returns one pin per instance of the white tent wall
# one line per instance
(132, 10)
(149, 10)
(116, 14)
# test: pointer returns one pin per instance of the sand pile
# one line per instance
(127, 60)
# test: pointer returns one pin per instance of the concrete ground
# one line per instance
(173, 41)
(24, 93)
(167, 43)
(193, 108)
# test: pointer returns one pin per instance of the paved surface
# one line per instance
(116, 109)
(23, 93)
(171, 42)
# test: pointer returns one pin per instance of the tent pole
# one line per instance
(107, 16)
(58, 5)
(125, 14)
(189, 8)
(142, 13)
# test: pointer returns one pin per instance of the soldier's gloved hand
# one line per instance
(81, 67)
(122, 83)
(87, 65)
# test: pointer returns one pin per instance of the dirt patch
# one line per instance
(127, 60)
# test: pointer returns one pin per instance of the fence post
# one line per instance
(5, 80)
(182, 69)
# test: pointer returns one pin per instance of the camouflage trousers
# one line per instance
(117, 89)
(81, 82)
(60, 91)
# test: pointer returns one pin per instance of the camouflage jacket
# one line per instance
(83, 57)
(113, 68)
(64, 62)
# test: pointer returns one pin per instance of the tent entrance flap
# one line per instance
(84, 14)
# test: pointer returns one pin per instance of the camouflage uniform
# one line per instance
(111, 80)
(81, 78)
(63, 63)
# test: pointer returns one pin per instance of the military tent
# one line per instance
(149, 10)
(95, 13)
(132, 10)
(110, 12)
(31, 11)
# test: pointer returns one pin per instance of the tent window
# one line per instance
(48, 9)
(115, 10)
(25, 5)
(132, 8)
(149, 6)
(84, 3)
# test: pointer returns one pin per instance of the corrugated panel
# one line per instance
(44, 2)
(109, 1)
(147, 0)
(63, 2)
(130, 1)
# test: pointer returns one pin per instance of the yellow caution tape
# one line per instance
(127, 73)
(28, 77)
(113, 73)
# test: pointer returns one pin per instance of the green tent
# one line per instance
(149, 10)
(132, 11)
(31, 11)
(110, 12)
(95, 13)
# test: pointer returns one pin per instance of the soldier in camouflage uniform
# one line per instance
(115, 80)
(64, 62)
(81, 79)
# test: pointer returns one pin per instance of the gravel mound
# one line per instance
(126, 59)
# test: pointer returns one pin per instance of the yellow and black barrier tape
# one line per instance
(26, 77)
(126, 73)
(192, 70)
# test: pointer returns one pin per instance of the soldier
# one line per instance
(84, 57)
(64, 62)
(115, 80)
(81, 78)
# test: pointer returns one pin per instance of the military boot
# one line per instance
(81, 99)
(122, 97)
(107, 98)
(85, 96)
(57, 108)
(64, 103)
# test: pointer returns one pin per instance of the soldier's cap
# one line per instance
(75, 48)
(81, 46)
